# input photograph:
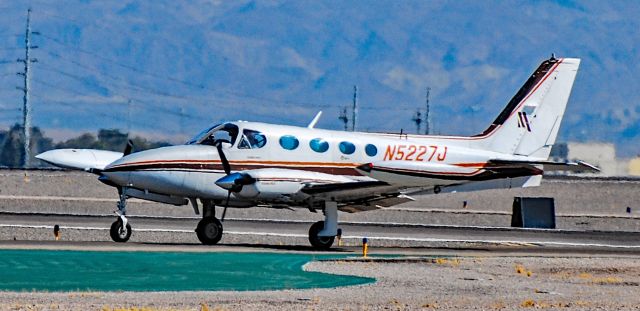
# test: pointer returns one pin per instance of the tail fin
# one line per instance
(529, 124)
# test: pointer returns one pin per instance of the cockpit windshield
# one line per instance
(206, 137)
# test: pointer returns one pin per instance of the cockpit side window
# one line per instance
(252, 140)
(209, 139)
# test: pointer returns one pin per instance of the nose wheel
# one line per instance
(119, 231)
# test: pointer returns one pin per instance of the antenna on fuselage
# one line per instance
(315, 120)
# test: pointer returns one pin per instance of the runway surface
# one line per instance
(294, 232)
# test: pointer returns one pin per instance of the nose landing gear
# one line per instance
(120, 232)
(120, 229)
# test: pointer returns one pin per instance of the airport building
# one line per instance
(602, 155)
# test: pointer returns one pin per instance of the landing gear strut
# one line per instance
(120, 229)
(209, 229)
(323, 233)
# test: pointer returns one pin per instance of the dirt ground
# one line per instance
(470, 282)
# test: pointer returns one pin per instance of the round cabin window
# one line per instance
(319, 145)
(289, 142)
(347, 147)
(371, 150)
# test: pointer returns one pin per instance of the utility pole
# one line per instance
(182, 115)
(417, 119)
(354, 117)
(343, 117)
(427, 125)
(26, 106)
(129, 117)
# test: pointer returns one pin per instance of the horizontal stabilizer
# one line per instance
(505, 183)
(548, 166)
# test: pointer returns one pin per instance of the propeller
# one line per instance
(223, 158)
(231, 182)
(128, 148)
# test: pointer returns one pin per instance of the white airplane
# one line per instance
(244, 164)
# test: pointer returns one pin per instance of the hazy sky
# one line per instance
(169, 68)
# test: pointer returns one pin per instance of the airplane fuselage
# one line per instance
(191, 170)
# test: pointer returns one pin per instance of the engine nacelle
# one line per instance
(283, 185)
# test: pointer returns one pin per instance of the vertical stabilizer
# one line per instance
(529, 124)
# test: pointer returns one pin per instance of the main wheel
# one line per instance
(319, 242)
(209, 231)
(120, 233)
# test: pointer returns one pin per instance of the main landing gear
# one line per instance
(120, 229)
(323, 233)
(209, 229)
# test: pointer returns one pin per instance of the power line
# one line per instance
(127, 100)
(172, 79)
(118, 117)
(124, 83)
(138, 87)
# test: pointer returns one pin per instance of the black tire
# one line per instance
(320, 243)
(118, 233)
(209, 231)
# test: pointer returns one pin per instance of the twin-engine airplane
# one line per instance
(245, 164)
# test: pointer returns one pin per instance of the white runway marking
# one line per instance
(297, 221)
(358, 238)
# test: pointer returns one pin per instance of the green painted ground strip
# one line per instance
(46, 270)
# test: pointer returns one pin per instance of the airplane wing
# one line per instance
(578, 166)
(359, 196)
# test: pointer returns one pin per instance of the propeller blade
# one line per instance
(224, 211)
(128, 148)
(223, 158)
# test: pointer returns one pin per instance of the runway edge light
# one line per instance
(365, 247)
(56, 232)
